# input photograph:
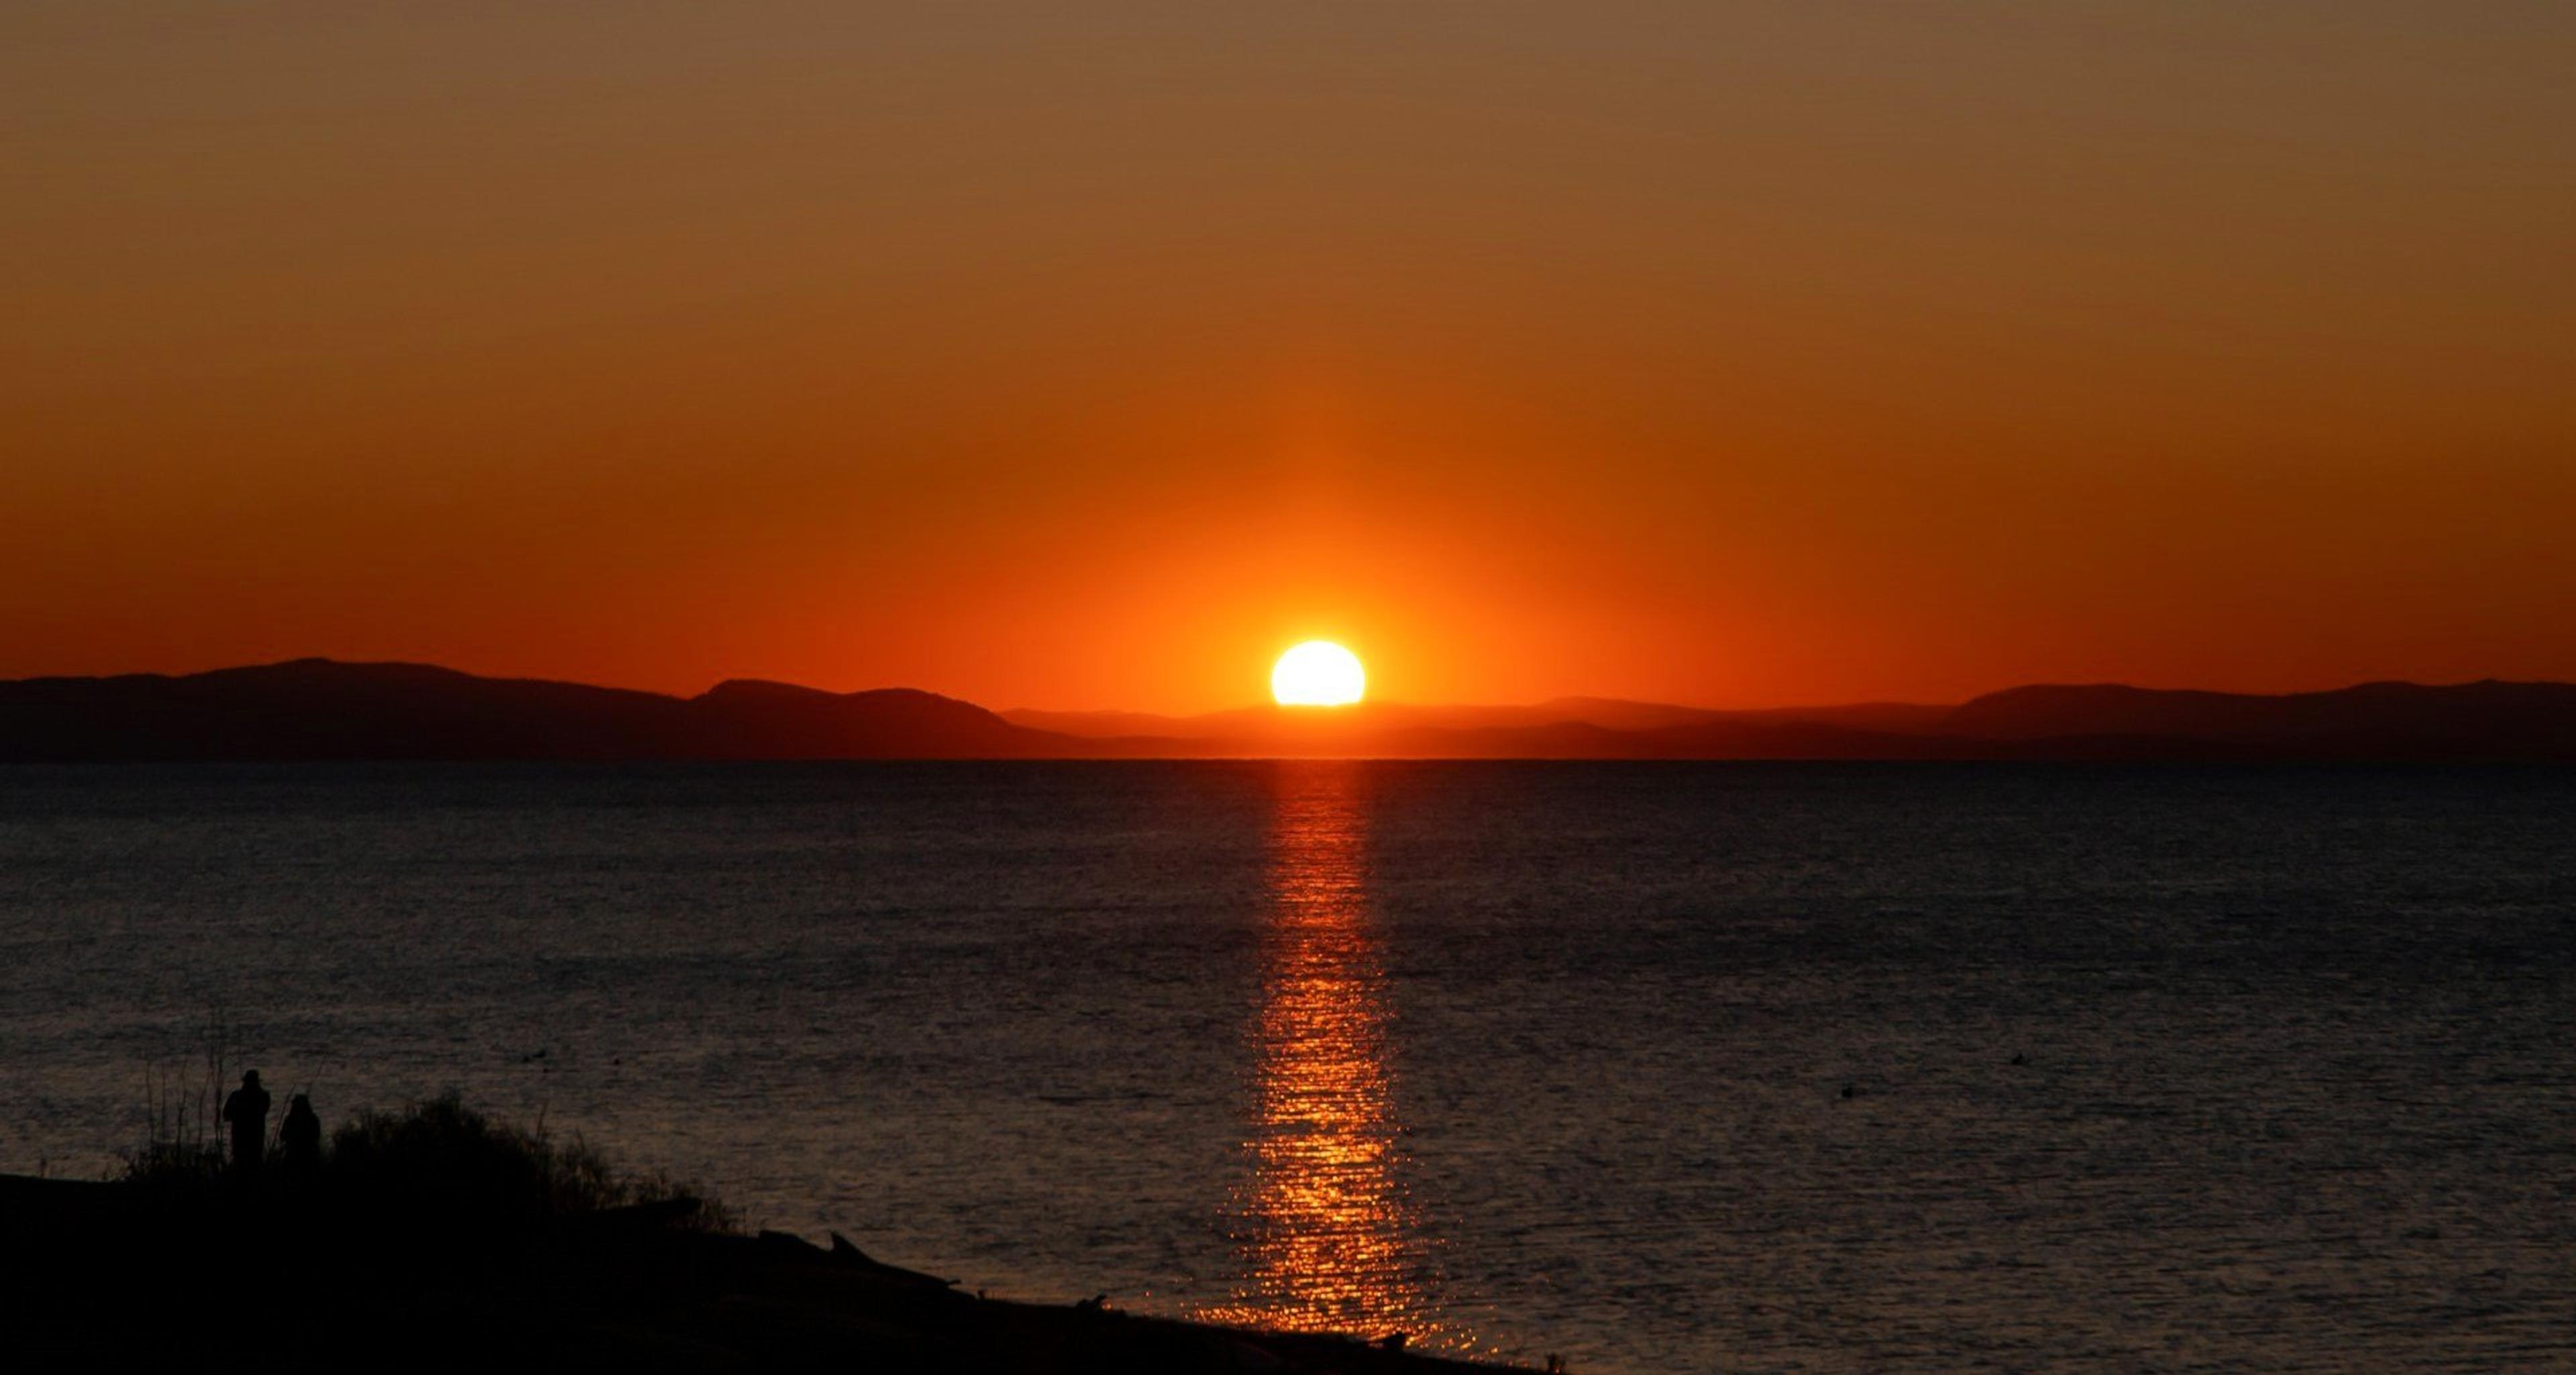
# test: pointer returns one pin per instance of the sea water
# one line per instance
(1660, 1067)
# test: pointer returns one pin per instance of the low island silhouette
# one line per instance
(320, 709)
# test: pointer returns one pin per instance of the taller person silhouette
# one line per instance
(246, 1108)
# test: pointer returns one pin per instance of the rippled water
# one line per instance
(2146, 1068)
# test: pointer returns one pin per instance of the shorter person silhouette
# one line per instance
(301, 1135)
(247, 1110)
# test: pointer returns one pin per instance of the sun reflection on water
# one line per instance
(1328, 1239)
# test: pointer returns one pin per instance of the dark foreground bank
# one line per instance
(276, 1274)
(439, 1238)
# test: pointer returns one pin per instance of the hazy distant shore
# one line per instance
(322, 710)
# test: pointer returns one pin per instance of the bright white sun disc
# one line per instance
(1318, 673)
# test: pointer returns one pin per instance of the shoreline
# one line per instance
(274, 1272)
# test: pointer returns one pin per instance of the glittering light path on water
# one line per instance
(1328, 1240)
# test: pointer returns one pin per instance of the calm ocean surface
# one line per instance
(1526, 1058)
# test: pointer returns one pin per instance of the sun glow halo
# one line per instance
(1318, 673)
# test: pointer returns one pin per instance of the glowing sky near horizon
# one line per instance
(1085, 356)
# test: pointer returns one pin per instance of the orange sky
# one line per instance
(1733, 354)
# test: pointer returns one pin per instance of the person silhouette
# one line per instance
(301, 1135)
(247, 1110)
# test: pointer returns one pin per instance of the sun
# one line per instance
(1318, 673)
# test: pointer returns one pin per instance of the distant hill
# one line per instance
(320, 709)
(2480, 720)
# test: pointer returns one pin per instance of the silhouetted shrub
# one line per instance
(439, 1156)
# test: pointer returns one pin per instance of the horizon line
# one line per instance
(1258, 705)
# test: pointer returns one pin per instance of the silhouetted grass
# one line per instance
(182, 1137)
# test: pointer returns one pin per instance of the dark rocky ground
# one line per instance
(282, 1274)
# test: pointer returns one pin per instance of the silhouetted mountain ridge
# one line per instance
(2486, 718)
(324, 709)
